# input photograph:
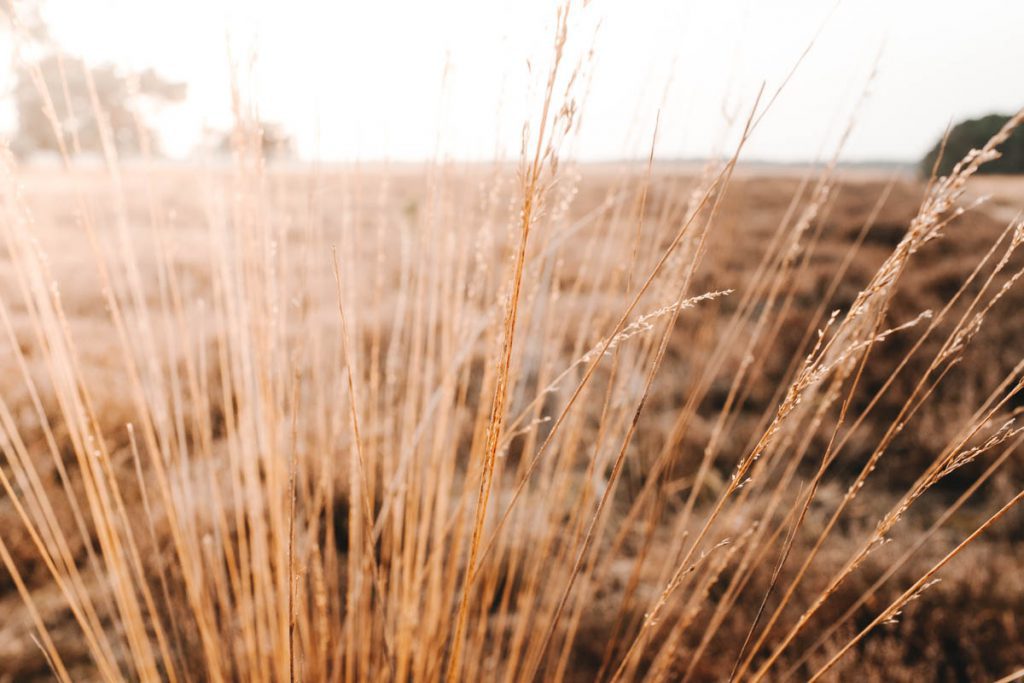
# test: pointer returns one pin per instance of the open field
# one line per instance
(248, 425)
(269, 418)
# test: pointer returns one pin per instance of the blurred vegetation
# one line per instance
(274, 140)
(973, 134)
(85, 101)
(63, 103)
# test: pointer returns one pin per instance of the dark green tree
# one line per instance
(973, 134)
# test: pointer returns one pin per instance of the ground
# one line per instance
(402, 232)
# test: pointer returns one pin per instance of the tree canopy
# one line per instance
(118, 94)
(973, 134)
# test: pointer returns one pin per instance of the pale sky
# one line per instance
(362, 79)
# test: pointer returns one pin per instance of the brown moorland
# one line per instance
(243, 412)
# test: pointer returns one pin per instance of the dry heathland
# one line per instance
(508, 422)
(245, 418)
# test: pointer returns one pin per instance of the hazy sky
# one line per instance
(363, 78)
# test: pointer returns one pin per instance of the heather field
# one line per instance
(220, 384)
(564, 411)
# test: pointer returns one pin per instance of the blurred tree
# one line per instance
(66, 82)
(274, 142)
(973, 134)
(277, 143)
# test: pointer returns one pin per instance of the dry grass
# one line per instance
(488, 422)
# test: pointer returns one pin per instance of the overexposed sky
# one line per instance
(363, 79)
